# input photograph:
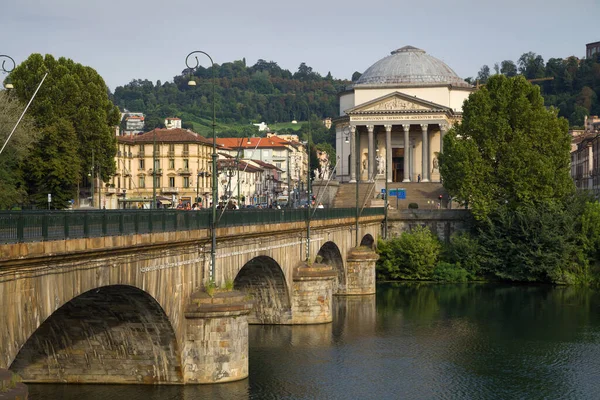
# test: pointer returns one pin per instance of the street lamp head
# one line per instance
(191, 82)
(4, 67)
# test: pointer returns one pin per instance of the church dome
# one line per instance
(410, 66)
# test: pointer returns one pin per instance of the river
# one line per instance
(413, 341)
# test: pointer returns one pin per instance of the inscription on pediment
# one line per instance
(395, 104)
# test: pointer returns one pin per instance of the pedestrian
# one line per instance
(419, 178)
(320, 205)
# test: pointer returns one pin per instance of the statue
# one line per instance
(381, 165)
(436, 164)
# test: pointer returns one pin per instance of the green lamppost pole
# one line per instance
(308, 186)
(213, 250)
(357, 180)
(154, 170)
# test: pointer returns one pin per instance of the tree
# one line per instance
(509, 149)
(531, 65)
(484, 74)
(12, 184)
(72, 95)
(508, 68)
(356, 76)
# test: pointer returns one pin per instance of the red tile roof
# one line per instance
(176, 135)
(261, 143)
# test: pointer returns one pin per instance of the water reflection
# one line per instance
(414, 341)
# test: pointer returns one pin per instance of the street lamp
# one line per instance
(6, 69)
(309, 192)
(213, 249)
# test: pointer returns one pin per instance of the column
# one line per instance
(406, 128)
(371, 154)
(425, 145)
(388, 153)
(353, 158)
(443, 130)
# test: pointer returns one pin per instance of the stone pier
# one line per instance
(360, 264)
(312, 294)
(216, 339)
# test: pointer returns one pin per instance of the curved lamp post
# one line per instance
(213, 249)
(6, 69)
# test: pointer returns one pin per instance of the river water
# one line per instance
(413, 341)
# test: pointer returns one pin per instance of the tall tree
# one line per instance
(484, 74)
(509, 149)
(22, 141)
(508, 68)
(73, 97)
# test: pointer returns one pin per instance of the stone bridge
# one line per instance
(138, 307)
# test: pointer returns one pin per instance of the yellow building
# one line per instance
(181, 167)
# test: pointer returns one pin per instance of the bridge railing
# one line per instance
(37, 226)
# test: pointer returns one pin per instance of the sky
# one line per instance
(149, 39)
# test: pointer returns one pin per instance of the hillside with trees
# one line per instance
(243, 95)
(574, 89)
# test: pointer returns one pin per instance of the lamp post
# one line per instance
(308, 186)
(7, 69)
(213, 250)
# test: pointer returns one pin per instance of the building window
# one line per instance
(171, 163)
(119, 182)
(186, 147)
(186, 181)
(157, 181)
(171, 181)
(186, 163)
(142, 163)
(142, 148)
(142, 182)
(171, 146)
(157, 164)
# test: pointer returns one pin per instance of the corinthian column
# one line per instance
(407, 162)
(425, 144)
(371, 154)
(443, 130)
(352, 154)
(388, 153)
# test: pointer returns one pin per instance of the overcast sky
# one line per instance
(149, 39)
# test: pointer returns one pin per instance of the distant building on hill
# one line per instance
(172, 123)
(592, 50)
(132, 123)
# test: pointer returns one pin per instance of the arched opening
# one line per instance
(368, 241)
(113, 334)
(330, 254)
(263, 279)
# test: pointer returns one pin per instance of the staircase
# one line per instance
(426, 195)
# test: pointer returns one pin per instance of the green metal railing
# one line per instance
(37, 226)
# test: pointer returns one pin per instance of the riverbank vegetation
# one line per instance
(508, 161)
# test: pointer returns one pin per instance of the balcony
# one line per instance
(184, 171)
(158, 171)
(171, 153)
(110, 190)
(141, 154)
(169, 190)
(185, 153)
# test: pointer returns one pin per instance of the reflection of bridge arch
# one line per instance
(113, 334)
(330, 254)
(368, 241)
(263, 278)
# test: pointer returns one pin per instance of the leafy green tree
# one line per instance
(484, 74)
(508, 68)
(508, 149)
(53, 166)
(12, 184)
(72, 98)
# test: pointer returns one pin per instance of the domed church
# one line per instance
(393, 118)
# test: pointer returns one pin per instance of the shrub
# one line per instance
(412, 255)
(447, 272)
(465, 251)
(413, 205)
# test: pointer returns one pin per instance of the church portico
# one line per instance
(398, 135)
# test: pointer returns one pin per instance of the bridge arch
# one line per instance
(263, 278)
(368, 241)
(111, 334)
(330, 254)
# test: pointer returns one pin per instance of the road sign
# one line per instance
(401, 194)
(49, 198)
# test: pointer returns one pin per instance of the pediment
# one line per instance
(397, 102)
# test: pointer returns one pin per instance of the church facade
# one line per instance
(394, 117)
